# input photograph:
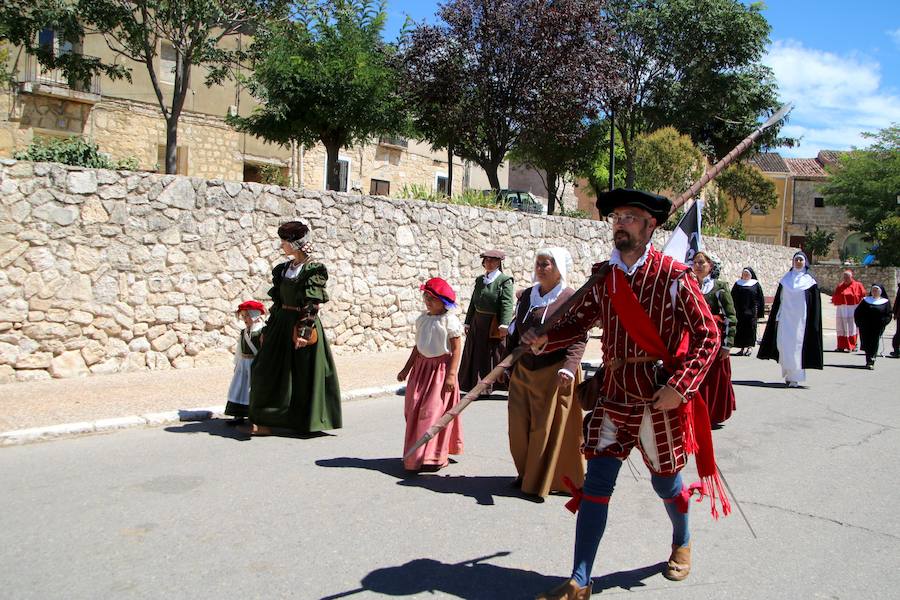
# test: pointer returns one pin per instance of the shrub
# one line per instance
(273, 175)
(73, 151)
(887, 234)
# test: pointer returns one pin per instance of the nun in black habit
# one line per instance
(793, 334)
(750, 305)
(872, 315)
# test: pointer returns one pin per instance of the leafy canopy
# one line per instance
(325, 75)
(507, 72)
(666, 161)
(747, 188)
(867, 181)
(695, 65)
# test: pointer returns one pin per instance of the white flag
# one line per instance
(685, 240)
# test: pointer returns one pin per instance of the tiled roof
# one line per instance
(769, 162)
(806, 167)
(829, 156)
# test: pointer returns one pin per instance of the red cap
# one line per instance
(251, 305)
(440, 289)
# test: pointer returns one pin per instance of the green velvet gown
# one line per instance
(295, 388)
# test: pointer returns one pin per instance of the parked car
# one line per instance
(519, 200)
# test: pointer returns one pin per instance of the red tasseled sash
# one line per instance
(697, 433)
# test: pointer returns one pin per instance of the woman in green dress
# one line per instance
(487, 320)
(294, 383)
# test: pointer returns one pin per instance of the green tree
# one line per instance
(325, 76)
(695, 65)
(748, 190)
(559, 157)
(818, 242)
(597, 172)
(715, 210)
(867, 181)
(517, 69)
(5, 75)
(22, 20)
(887, 234)
(199, 32)
(666, 160)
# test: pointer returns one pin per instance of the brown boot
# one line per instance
(679, 565)
(568, 590)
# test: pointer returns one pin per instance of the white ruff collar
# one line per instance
(615, 259)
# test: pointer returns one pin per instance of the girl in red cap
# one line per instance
(251, 313)
(432, 388)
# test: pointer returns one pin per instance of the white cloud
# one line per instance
(894, 35)
(835, 97)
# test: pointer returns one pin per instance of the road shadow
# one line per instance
(219, 427)
(863, 367)
(478, 580)
(758, 383)
(483, 489)
(216, 427)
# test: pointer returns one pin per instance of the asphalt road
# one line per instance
(190, 511)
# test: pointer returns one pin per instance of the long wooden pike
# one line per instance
(730, 157)
(560, 312)
(506, 363)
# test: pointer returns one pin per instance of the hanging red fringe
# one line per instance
(697, 436)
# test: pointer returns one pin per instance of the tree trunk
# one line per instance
(493, 178)
(332, 168)
(630, 174)
(171, 145)
(552, 185)
(179, 94)
(450, 170)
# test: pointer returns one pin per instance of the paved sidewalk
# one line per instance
(62, 401)
(134, 399)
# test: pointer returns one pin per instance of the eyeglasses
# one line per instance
(626, 219)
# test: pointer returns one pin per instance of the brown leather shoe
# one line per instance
(568, 590)
(679, 565)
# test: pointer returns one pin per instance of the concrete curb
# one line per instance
(51, 432)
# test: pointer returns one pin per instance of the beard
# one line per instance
(624, 241)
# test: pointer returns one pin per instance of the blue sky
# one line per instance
(838, 61)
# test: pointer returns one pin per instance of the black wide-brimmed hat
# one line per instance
(658, 206)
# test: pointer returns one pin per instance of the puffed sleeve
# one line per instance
(274, 293)
(454, 326)
(316, 279)
(507, 301)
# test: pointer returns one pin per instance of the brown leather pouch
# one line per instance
(494, 333)
(310, 334)
(588, 391)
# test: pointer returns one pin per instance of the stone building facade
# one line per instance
(125, 121)
(106, 271)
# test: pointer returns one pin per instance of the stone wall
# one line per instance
(107, 271)
(806, 216)
(828, 276)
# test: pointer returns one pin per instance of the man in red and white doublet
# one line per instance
(635, 410)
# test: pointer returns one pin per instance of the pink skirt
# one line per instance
(425, 403)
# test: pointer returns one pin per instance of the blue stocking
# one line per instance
(598, 482)
(668, 488)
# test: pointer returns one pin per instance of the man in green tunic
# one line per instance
(294, 382)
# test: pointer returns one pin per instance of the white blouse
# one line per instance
(433, 333)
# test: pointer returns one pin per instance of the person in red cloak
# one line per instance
(847, 296)
(647, 398)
